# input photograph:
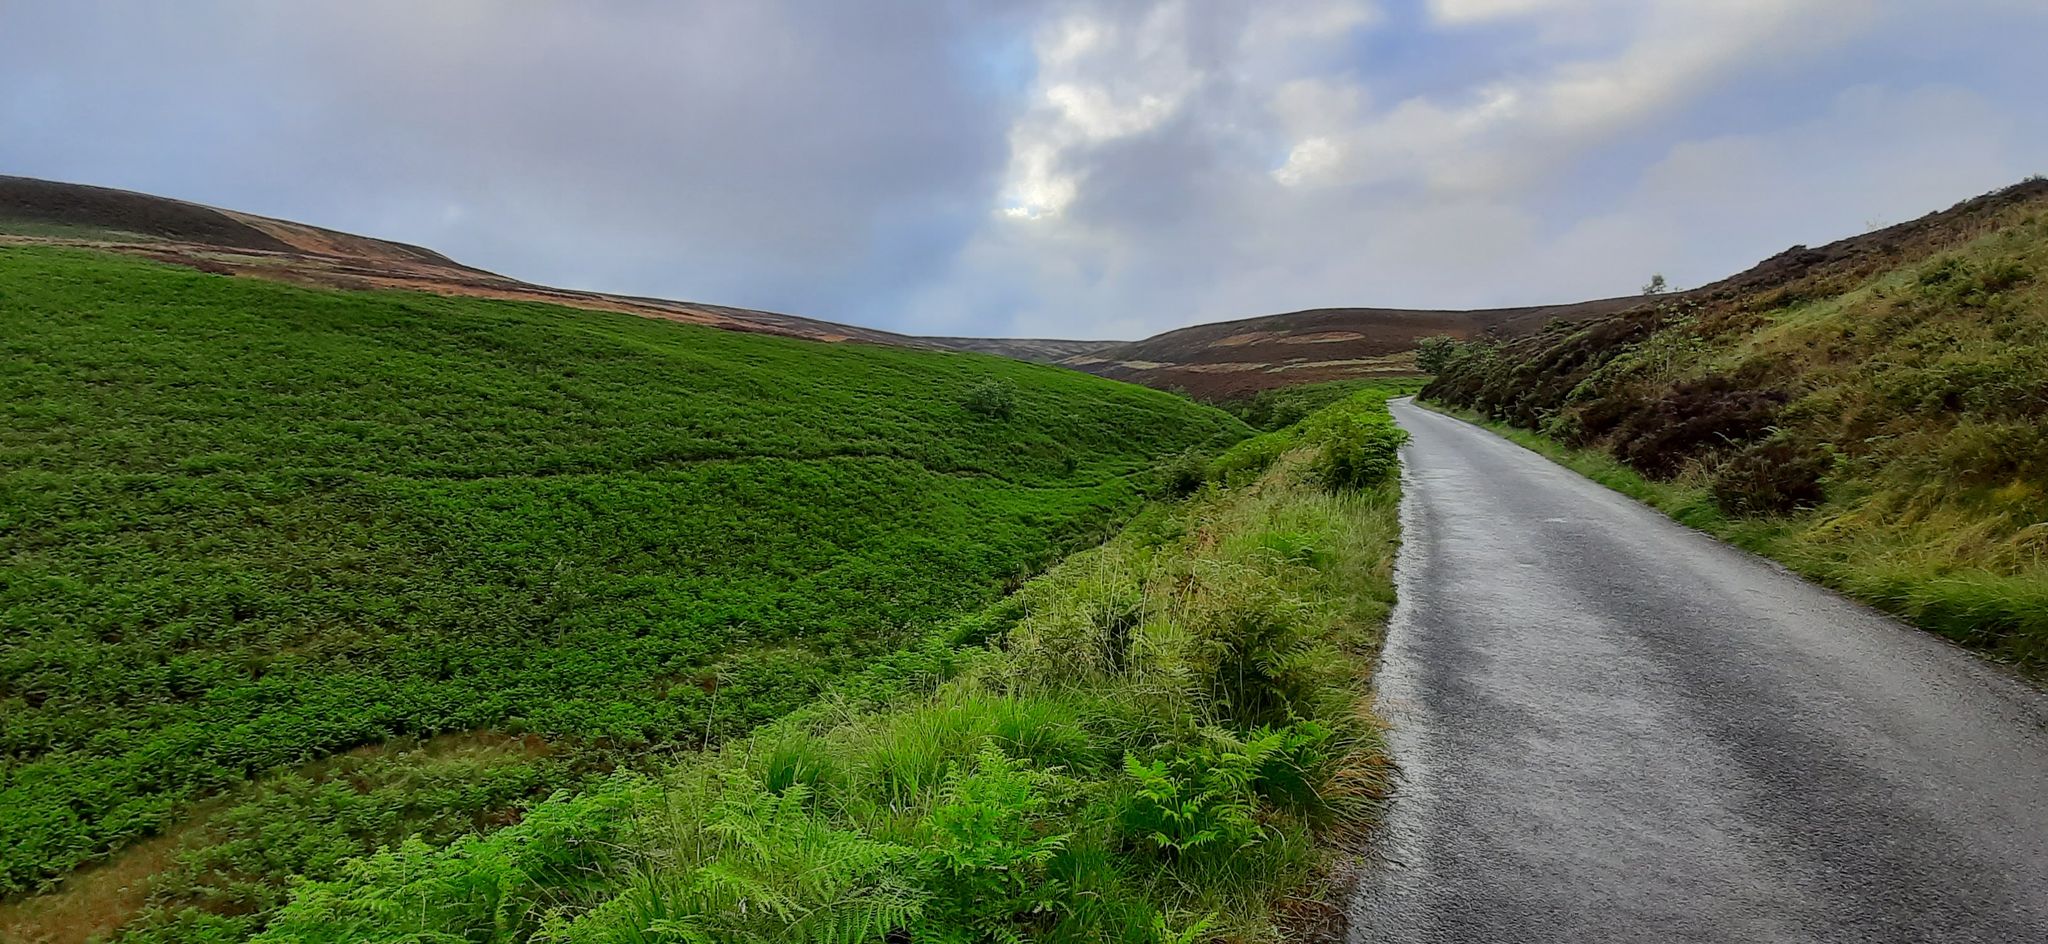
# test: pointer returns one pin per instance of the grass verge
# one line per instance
(1165, 738)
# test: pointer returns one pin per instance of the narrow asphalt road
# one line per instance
(1613, 728)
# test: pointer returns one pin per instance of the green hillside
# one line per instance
(245, 526)
(1874, 414)
(1166, 739)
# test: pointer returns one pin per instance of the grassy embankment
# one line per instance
(1887, 437)
(1270, 410)
(246, 528)
(1163, 739)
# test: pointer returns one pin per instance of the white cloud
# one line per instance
(1500, 133)
(1204, 178)
(1133, 166)
(1108, 72)
(1099, 79)
(1310, 159)
(1459, 12)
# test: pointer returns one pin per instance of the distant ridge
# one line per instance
(1226, 359)
(1214, 361)
(123, 213)
(1230, 359)
(1040, 350)
(230, 242)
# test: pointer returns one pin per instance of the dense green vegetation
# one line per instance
(1162, 741)
(1282, 407)
(245, 526)
(10, 226)
(1885, 432)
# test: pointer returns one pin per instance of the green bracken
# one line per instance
(1164, 740)
(245, 526)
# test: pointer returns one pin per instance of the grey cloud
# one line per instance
(853, 160)
(748, 153)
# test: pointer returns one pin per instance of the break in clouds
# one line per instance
(1048, 169)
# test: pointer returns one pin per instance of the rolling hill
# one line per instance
(229, 242)
(1219, 361)
(1228, 360)
(1212, 361)
(1233, 359)
(275, 545)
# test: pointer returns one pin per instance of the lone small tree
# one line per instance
(1657, 285)
(1433, 353)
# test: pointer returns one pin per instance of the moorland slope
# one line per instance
(1873, 412)
(1230, 360)
(229, 242)
(245, 526)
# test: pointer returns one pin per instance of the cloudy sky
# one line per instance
(1083, 169)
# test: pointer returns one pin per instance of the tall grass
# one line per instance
(1163, 739)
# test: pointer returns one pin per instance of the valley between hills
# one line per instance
(354, 594)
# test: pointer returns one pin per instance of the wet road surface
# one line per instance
(1613, 728)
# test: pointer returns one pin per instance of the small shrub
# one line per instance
(1994, 453)
(783, 871)
(1253, 647)
(1360, 453)
(1293, 547)
(1079, 627)
(1433, 354)
(1183, 475)
(1771, 478)
(795, 759)
(1696, 416)
(995, 399)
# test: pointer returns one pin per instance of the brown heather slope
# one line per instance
(1037, 350)
(228, 242)
(1229, 359)
(1550, 364)
(1232, 359)
(1872, 413)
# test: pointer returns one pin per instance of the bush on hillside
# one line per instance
(995, 399)
(1991, 454)
(1771, 478)
(1696, 417)
(1956, 281)
(1433, 354)
(1360, 453)
(1182, 475)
